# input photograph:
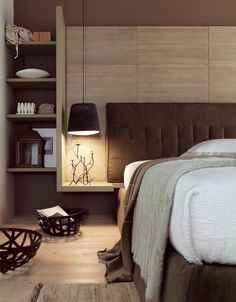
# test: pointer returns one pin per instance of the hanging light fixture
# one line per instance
(83, 119)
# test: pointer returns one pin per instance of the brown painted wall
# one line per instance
(38, 190)
(33, 191)
(41, 14)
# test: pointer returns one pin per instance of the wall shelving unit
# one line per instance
(30, 170)
(57, 85)
(31, 118)
(43, 48)
(19, 83)
(29, 86)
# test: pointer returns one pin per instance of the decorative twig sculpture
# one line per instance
(80, 162)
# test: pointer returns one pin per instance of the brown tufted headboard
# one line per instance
(137, 131)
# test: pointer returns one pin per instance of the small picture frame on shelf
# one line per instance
(49, 136)
(29, 150)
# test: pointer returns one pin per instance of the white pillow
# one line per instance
(129, 171)
(227, 145)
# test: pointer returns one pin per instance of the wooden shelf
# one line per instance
(100, 186)
(37, 48)
(42, 83)
(31, 118)
(30, 170)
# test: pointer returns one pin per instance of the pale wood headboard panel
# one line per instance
(222, 64)
(149, 64)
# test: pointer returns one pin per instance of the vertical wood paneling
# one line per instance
(74, 45)
(74, 84)
(173, 64)
(173, 45)
(222, 67)
(111, 45)
(148, 64)
(222, 44)
(111, 76)
(168, 83)
(111, 83)
(222, 83)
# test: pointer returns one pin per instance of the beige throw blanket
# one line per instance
(151, 219)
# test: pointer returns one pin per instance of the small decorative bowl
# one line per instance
(62, 225)
(17, 247)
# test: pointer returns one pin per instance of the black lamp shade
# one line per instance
(83, 119)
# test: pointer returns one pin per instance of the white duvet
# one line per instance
(203, 219)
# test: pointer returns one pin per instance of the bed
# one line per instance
(139, 131)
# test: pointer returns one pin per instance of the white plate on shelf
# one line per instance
(32, 73)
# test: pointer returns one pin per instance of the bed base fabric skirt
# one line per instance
(186, 282)
(121, 207)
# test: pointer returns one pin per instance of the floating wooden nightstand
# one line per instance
(99, 186)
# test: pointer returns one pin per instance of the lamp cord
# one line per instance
(84, 21)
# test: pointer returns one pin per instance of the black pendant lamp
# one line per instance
(83, 118)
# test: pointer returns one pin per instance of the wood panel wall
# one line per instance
(148, 64)
(222, 64)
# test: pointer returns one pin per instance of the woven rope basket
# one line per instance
(17, 247)
(62, 225)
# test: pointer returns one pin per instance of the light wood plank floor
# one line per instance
(61, 260)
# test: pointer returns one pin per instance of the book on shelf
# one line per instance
(55, 211)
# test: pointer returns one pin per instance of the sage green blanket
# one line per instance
(152, 213)
(150, 195)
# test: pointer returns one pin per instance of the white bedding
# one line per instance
(129, 171)
(203, 220)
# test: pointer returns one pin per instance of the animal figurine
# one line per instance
(16, 35)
